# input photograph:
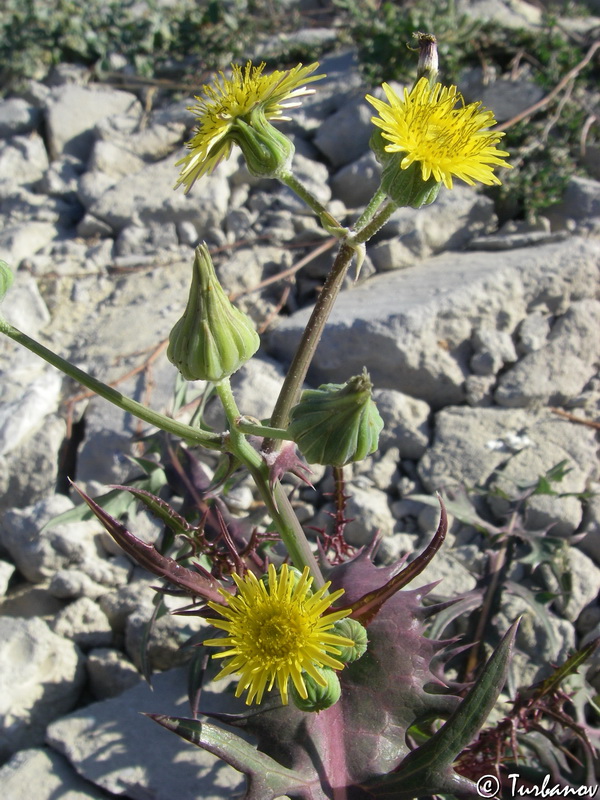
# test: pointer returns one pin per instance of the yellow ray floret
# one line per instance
(277, 630)
(235, 98)
(432, 125)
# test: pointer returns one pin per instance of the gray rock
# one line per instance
(84, 623)
(507, 13)
(29, 601)
(164, 645)
(110, 673)
(115, 747)
(581, 199)
(406, 423)
(448, 224)
(518, 446)
(7, 570)
(17, 116)
(125, 601)
(392, 254)
(20, 418)
(449, 567)
(39, 552)
(72, 111)
(369, 512)
(23, 160)
(25, 308)
(344, 136)
(45, 775)
(559, 370)
(493, 349)
(28, 473)
(506, 96)
(41, 675)
(585, 583)
(114, 160)
(411, 328)
(355, 183)
(533, 332)
(148, 196)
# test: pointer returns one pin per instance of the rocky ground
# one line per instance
(483, 345)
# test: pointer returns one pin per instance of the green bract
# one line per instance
(337, 423)
(267, 152)
(355, 631)
(213, 338)
(318, 697)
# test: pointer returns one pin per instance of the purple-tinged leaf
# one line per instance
(147, 556)
(160, 509)
(430, 765)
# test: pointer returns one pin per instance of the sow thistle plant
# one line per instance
(330, 655)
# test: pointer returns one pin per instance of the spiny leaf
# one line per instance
(146, 555)
(428, 769)
(160, 508)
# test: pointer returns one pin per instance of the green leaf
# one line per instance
(6, 278)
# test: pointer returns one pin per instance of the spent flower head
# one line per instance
(432, 126)
(277, 630)
(233, 108)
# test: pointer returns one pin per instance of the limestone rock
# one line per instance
(41, 675)
(45, 775)
(115, 747)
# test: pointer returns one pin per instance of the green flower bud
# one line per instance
(267, 151)
(337, 423)
(213, 338)
(406, 187)
(318, 697)
(352, 629)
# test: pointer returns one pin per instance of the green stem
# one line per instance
(253, 429)
(370, 210)
(212, 441)
(328, 221)
(274, 496)
(309, 341)
(370, 229)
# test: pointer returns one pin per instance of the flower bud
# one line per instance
(406, 187)
(352, 629)
(428, 57)
(319, 697)
(267, 152)
(213, 338)
(337, 423)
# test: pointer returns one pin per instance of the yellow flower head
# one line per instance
(276, 630)
(427, 126)
(232, 101)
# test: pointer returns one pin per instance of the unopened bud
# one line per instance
(351, 629)
(213, 339)
(319, 695)
(428, 57)
(337, 423)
